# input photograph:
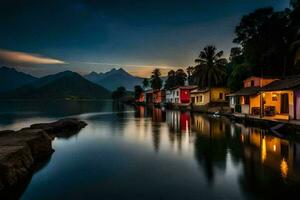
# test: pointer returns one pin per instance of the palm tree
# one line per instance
(211, 68)
(189, 71)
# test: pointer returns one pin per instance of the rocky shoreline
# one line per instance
(21, 150)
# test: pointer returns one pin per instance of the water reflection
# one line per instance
(124, 152)
(267, 166)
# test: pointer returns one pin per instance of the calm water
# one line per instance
(127, 153)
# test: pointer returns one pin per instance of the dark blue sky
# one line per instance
(85, 35)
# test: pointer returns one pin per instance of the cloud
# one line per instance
(16, 57)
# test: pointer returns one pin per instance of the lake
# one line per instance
(139, 153)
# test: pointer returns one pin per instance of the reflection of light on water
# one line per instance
(284, 168)
(263, 150)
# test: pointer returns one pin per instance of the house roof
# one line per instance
(246, 91)
(203, 90)
(188, 87)
(285, 84)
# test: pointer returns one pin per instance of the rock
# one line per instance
(63, 127)
(15, 161)
(21, 150)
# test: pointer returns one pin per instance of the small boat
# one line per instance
(216, 114)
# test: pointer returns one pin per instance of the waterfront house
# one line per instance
(215, 96)
(159, 96)
(179, 95)
(247, 100)
(281, 99)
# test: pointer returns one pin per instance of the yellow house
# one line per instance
(209, 96)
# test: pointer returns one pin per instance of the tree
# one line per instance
(294, 26)
(211, 68)
(145, 83)
(238, 70)
(119, 93)
(180, 77)
(189, 71)
(138, 90)
(235, 52)
(156, 82)
(265, 49)
(171, 80)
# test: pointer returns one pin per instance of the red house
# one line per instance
(179, 95)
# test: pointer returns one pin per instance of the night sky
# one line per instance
(48, 36)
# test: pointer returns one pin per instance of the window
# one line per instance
(274, 97)
(252, 83)
(177, 93)
(220, 95)
(197, 99)
(201, 98)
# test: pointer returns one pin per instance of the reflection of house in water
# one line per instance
(140, 111)
(208, 126)
(158, 115)
(280, 155)
(179, 122)
(211, 143)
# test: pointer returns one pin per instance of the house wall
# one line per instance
(245, 109)
(205, 98)
(232, 101)
(172, 96)
(258, 82)
(254, 102)
(215, 94)
(184, 96)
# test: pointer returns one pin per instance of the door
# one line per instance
(284, 107)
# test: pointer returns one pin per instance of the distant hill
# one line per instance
(115, 78)
(11, 79)
(63, 85)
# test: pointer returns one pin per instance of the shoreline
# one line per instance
(25, 150)
(245, 119)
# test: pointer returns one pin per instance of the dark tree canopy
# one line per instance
(180, 77)
(156, 82)
(263, 34)
(171, 80)
(119, 93)
(138, 90)
(145, 83)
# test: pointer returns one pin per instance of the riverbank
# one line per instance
(265, 122)
(21, 151)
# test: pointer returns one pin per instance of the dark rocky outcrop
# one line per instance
(21, 150)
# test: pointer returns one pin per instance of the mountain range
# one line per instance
(11, 79)
(115, 78)
(63, 85)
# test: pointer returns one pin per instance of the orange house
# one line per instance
(159, 96)
(247, 100)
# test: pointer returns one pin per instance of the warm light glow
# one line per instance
(26, 58)
(274, 147)
(284, 168)
(242, 138)
(263, 150)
